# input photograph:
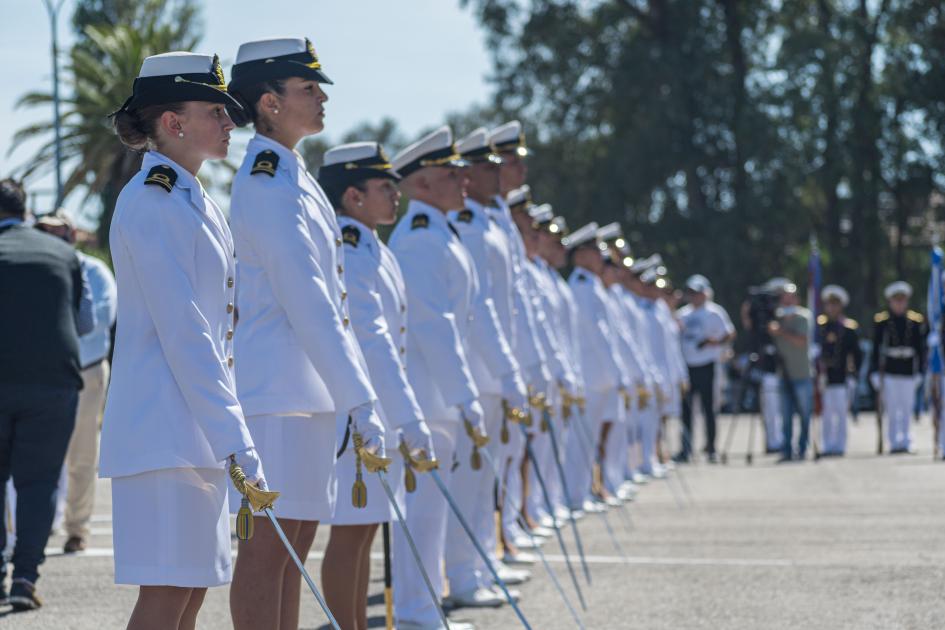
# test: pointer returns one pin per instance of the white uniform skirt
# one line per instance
(378, 508)
(171, 527)
(298, 458)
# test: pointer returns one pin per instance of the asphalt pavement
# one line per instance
(856, 542)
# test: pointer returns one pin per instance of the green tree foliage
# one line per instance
(116, 36)
(723, 133)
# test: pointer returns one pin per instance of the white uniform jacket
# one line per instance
(295, 350)
(377, 302)
(567, 323)
(598, 359)
(525, 342)
(543, 297)
(629, 351)
(172, 400)
(490, 354)
(441, 286)
(640, 329)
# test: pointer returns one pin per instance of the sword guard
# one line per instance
(479, 440)
(371, 461)
(257, 498)
(420, 462)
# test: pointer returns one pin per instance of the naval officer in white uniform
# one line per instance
(494, 369)
(298, 364)
(441, 282)
(362, 186)
(172, 419)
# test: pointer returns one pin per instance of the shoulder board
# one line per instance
(161, 175)
(351, 235)
(420, 220)
(914, 316)
(465, 216)
(265, 162)
(821, 320)
(881, 316)
(852, 324)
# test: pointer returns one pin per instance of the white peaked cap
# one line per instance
(610, 232)
(835, 291)
(519, 195)
(351, 152)
(270, 48)
(176, 63)
(542, 213)
(585, 234)
(899, 287)
(434, 149)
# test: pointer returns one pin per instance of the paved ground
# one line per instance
(853, 543)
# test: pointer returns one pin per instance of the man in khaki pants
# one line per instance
(82, 456)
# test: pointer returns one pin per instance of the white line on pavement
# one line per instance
(107, 552)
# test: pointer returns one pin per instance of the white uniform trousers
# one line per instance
(898, 401)
(771, 410)
(649, 433)
(542, 448)
(511, 457)
(614, 466)
(82, 456)
(834, 419)
(426, 517)
(474, 493)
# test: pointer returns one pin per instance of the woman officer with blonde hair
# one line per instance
(172, 418)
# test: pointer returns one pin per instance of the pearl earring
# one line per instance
(275, 111)
(180, 134)
(360, 204)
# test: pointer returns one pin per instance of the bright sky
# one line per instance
(412, 60)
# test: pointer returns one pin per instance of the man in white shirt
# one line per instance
(706, 329)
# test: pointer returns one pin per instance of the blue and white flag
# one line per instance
(814, 280)
(934, 309)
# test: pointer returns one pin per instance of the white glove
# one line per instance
(248, 460)
(473, 412)
(874, 380)
(365, 421)
(416, 435)
(514, 391)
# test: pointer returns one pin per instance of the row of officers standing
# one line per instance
(292, 340)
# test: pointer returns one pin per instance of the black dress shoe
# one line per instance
(74, 545)
(712, 458)
(681, 458)
(23, 595)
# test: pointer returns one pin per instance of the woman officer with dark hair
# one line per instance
(298, 364)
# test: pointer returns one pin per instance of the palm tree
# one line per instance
(98, 79)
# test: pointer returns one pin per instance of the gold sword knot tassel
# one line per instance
(643, 397)
(254, 500)
(626, 398)
(420, 463)
(370, 461)
(479, 440)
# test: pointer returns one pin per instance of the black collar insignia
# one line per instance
(465, 216)
(161, 175)
(266, 162)
(419, 221)
(351, 235)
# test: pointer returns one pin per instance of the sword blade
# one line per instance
(541, 555)
(301, 567)
(551, 510)
(413, 547)
(482, 554)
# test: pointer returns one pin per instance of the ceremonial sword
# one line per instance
(258, 500)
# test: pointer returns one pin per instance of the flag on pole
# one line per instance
(934, 307)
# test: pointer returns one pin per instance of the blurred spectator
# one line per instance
(41, 291)
(94, 347)
(791, 333)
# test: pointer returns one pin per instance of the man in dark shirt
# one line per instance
(40, 290)
(837, 367)
(897, 363)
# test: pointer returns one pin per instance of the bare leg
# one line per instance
(256, 591)
(159, 607)
(302, 539)
(340, 571)
(364, 577)
(188, 620)
(529, 521)
(601, 457)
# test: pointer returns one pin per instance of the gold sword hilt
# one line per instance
(369, 460)
(254, 499)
